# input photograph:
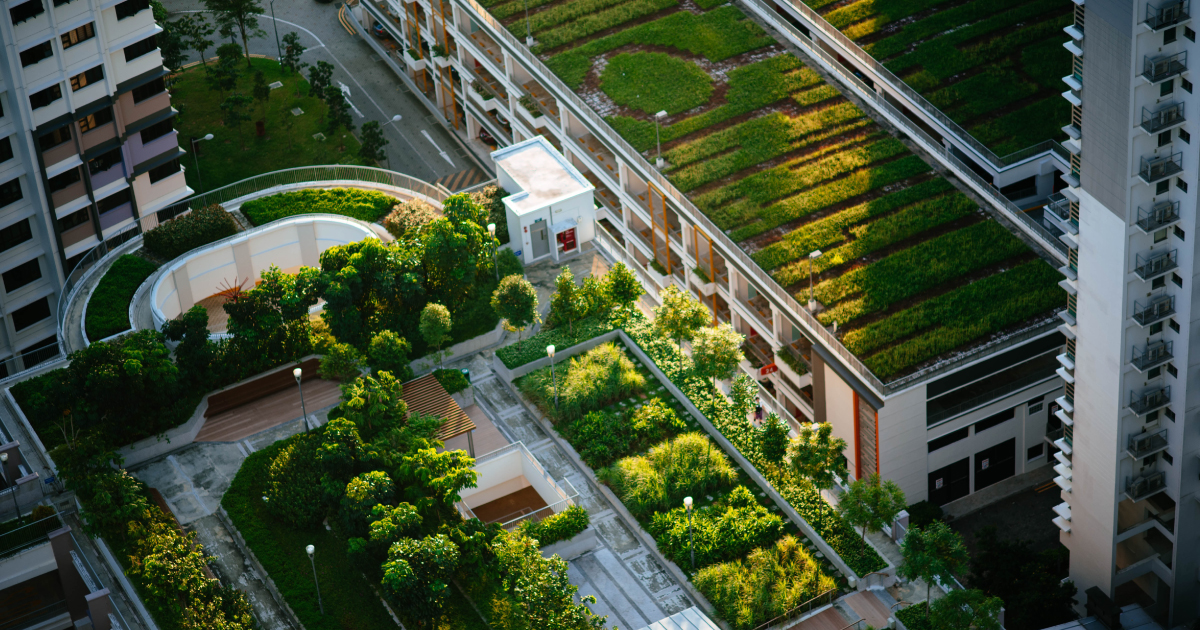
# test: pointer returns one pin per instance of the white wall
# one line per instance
(508, 473)
(902, 443)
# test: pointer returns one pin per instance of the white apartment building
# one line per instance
(87, 146)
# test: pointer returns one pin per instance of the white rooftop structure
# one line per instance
(690, 619)
(540, 172)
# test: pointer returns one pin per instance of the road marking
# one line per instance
(344, 20)
(445, 156)
(346, 94)
(249, 446)
(242, 450)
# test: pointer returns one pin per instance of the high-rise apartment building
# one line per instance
(87, 145)
(1130, 516)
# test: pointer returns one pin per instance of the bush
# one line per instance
(598, 378)
(534, 348)
(492, 198)
(409, 216)
(562, 526)
(194, 229)
(293, 482)
(601, 437)
(722, 532)
(108, 309)
(364, 205)
(686, 465)
(453, 380)
(388, 352)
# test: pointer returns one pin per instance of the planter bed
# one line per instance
(107, 311)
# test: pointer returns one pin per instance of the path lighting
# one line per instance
(687, 503)
(812, 260)
(395, 119)
(4, 460)
(278, 48)
(550, 353)
(304, 413)
(311, 549)
(657, 139)
(528, 35)
(492, 232)
(196, 157)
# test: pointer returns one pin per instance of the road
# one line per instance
(418, 145)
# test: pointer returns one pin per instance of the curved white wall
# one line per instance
(288, 243)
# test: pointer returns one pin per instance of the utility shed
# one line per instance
(551, 212)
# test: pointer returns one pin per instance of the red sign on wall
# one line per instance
(768, 369)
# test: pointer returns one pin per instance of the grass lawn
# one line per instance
(235, 154)
(108, 309)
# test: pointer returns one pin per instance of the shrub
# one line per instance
(722, 532)
(293, 482)
(686, 465)
(408, 217)
(363, 493)
(599, 21)
(364, 205)
(341, 362)
(388, 352)
(602, 437)
(194, 229)
(601, 376)
(492, 198)
(108, 308)
(534, 348)
(562, 526)
(453, 380)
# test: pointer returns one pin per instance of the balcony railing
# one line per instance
(1158, 216)
(1157, 309)
(1159, 69)
(1059, 206)
(1160, 167)
(1145, 486)
(1149, 400)
(29, 535)
(1166, 116)
(1141, 445)
(1150, 266)
(1166, 14)
(1152, 355)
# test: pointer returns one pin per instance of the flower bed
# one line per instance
(364, 205)
(108, 309)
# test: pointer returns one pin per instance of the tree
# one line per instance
(320, 77)
(933, 553)
(455, 251)
(716, 351)
(338, 114)
(292, 49)
(624, 288)
(964, 609)
(269, 323)
(418, 572)
(817, 456)
(363, 494)
(773, 438)
(172, 44)
(233, 113)
(388, 352)
(261, 92)
(871, 503)
(1029, 582)
(195, 353)
(372, 142)
(371, 286)
(567, 303)
(680, 315)
(374, 403)
(342, 362)
(435, 326)
(516, 301)
(742, 394)
(240, 16)
(432, 480)
(539, 588)
(196, 30)
(223, 75)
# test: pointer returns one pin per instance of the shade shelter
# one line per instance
(427, 397)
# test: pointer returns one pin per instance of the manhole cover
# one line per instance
(319, 137)
(296, 111)
(276, 85)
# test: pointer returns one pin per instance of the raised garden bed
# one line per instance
(107, 311)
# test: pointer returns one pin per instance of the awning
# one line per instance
(563, 226)
(426, 396)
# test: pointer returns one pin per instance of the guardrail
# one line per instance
(799, 611)
(28, 535)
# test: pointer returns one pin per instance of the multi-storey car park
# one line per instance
(931, 342)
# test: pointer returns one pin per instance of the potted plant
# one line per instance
(703, 282)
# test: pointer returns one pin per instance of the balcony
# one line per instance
(1158, 216)
(1155, 310)
(489, 47)
(1150, 266)
(1145, 486)
(759, 352)
(600, 155)
(760, 308)
(1058, 213)
(607, 197)
(1150, 399)
(1140, 445)
(1152, 355)
(542, 100)
(1166, 14)
(1157, 168)
(1163, 118)
(1159, 69)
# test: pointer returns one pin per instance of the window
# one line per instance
(995, 420)
(159, 173)
(1160, 236)
(143, 92)
(1189, 33)
(1035, 452)
(81, 34)
(1173, 325)
(1164, 138)
(1151, 417)
(59, 3)
(1156, 328)
(1163, 187)
(1158, 282)
(1169, 414)
(10, 192)
(1172, 371)
(133, 51)
(1167, 458)
(948, 439)
(1181, 185)
(21, 275)
(131, 8)
(45, 97)
(102, 163)
(6, 150)
(1185, 136)
(75, 219)
(96, 119)
(63, 180)
(1186, 85)
(1178, 232)
(1177, 280)
(157, 130)
(1154, 373)
(113, 201)
(1170, 35)
(1166, 88)
(86, 78)
(54, 138)
(30, 56)
(15, 234)
(27, 316)
(26, 11)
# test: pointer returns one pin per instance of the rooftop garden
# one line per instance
(785, 165)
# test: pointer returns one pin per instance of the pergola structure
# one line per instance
(427, 397)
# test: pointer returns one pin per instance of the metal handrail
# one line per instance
(1166, 14)
(1163, 67)
(29, 535)
(1161, 118)
(1151, 398)
(1158, 308)
(1153, 354)
(1159, 215)
(800, 609)
(1156, 264)
(1140, 445)
(1154, 168)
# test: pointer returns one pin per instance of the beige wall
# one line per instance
(839, 412)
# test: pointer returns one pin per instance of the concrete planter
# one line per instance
(415, 65)
(536, 118)
(583, 542)
(706, 288)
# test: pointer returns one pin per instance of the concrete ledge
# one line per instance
(132, 595)
(459, 350)
(582, 543)
(560, 355)
(257, 566)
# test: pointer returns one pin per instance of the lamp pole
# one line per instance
(550, 352)
(812, 260)
(687, 503)
(196, 156)
(657, 139)
(528, 34)
(395, 119)
(310, 549)
(278, 49)
(4, 464)
(297, 373)
(492, 232)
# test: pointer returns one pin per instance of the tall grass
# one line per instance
(586, 383)
(686, 465)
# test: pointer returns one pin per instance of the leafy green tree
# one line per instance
(567, 303)
(773, 438)
(371, 286)
(388, 352)
(515, 300)
(435, 326)
(539, 591)
(871, 503)
(456, 251)
(716, 351)
(364, 492)
(1029, 582)
(964, 609)
(742, 394)
(223, 75)
(932, 553)
(417, 574)
(374, 403)
(320, 77)
(432, 480)
(261, 92)
(195, 353)
(340, 453)
(172, 45)
(390, 524)
(292, 49)
(624, 288)
(233, 114)
(372, 140)
(817, 456)
(338, 114)
(196, 30)
(240, 16)
(342, 362)
(293, 486)
(680, 315)
(269, 324)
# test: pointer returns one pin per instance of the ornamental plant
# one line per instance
(717, 351)
(417, 574)
(688, 464)
(187, 232)
(408, 217)
(724, 531)
(817, 456)
(585, 383)
(871, 503)
(435, 327)
(562, 526)
(933, 553)
(773, 438)
(363, 493)
(680, 315)
(515, 300)
(388, 352)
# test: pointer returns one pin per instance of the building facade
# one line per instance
(87, 145)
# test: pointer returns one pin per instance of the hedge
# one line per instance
(364, 205)
(194, 229)
(562, 526)
(534, 348)
(452, 380)
(107, 311)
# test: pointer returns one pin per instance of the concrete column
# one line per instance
(241, 262)
(99, 607)
(818, 386)
(74, 589)
(183, 288)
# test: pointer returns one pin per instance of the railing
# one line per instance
(28, 535)
(1149, 400)
(1158, 216)
(1160, 167)
(1163, 117)
(1153, 265)
(1158, 69)
(1153, 354)
(782, 620)
(1157, 309)
(545, 512)
(1145, 486)
(1059, 206)
(34, 617)
(1140, 445)
(1166, 14)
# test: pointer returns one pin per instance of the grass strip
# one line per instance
(502, 10)
(950, 23)
(653, 82)
(561, 14)
(593, 23)
(108, 308)
(1026, 126)
(879, 12)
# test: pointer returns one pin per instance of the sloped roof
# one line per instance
(427, 397)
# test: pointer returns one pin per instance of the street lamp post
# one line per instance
(528, 35)
(310, 549)
(492, 232)
(3, 464)
(657, 139)
(196, 156)
(812, 260)
(297, 373)
(278, 49)
(550, 352)
(687, 503)
(386, 156)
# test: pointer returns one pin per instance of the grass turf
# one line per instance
(107, 311)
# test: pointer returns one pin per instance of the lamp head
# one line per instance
(310, 549)
(661, 115)
(396, 118)
(297, 372)
(814, 255)
(3, 458)
(265, 499)
(550, 351)
(492, 229)
(687, 503)
(208, 136)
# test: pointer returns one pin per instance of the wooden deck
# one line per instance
(270, 411)
(510, 506)
(869, 608)
(831, 619)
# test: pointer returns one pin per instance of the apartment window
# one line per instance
(1158, 282)
(1035, 452)
(157, 130)
(1189, 33)
(63, 180)
(133, 51)
(81, 34)
(1172, 371)
(1169, 414)
(1173, 325)
(75, 219)
(27, 316)
(54, 138)
(86, 78)
(59, 3)
(15, 234)
(1163, 187)
(130, 8)
(1186, 85)
(1185, 136)
(1166, 88)
(96, 119)
(30, 56)
(1160, 236)
(1177, 280)
(10, 192)
(105, 161)
(1170, 35)
(948, 439)
(1154, 373)
(159, 173)
(1164, 138)
(113, 201)
(1156, 328)
(21, 275)
(1181, 185)
(6, 150)
(26, 11)
(995, 420)
(45, 97)
(153, 88)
